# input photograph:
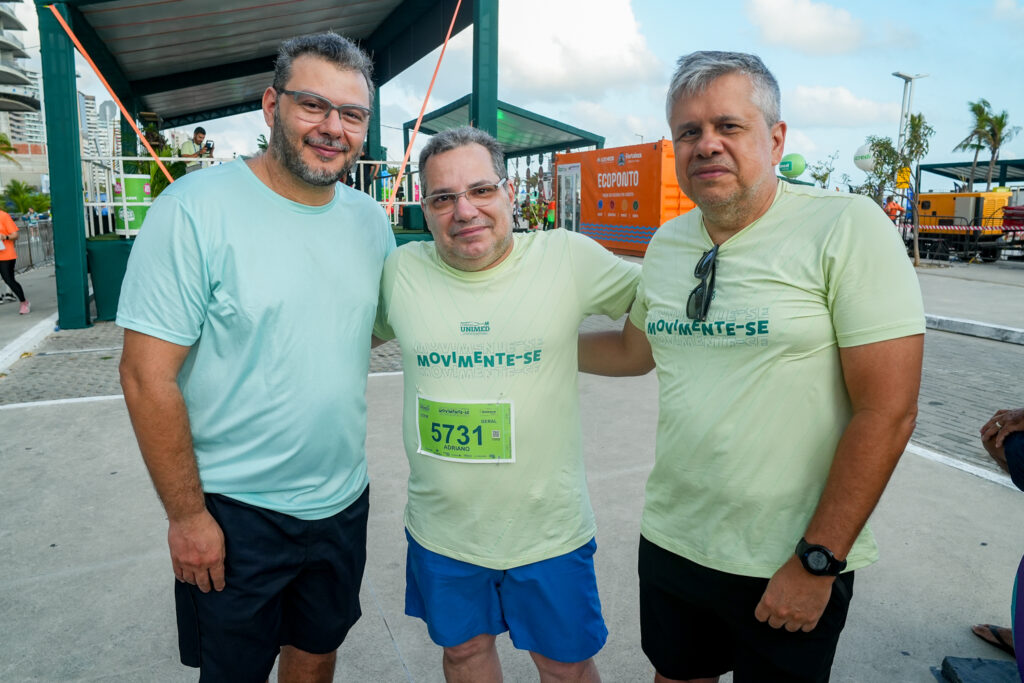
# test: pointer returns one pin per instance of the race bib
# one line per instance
(470, 431)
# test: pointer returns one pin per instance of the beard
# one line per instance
(290, 156)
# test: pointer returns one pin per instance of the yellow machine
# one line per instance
(965, 224)
(982, 209)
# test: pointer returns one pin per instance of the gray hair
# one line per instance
(697, 70)
(336, 49)
(453, 138)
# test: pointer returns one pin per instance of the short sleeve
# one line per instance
(166, 289)
(606, 282)
(873, 292)
(382, 325)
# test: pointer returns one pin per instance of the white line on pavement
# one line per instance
(62, 401)
(988, 475)
(26, 342)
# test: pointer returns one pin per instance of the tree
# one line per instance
(976, 139)
(20, 194)
(999, 132)
(822, 170)
(261, 143)
(888, 163)
(7, 149)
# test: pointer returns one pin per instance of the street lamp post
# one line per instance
(639, 136)
(908, 100)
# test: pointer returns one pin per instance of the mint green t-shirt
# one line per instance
(507, 334)
(752, 402)
(277, 300)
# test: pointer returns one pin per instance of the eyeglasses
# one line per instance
(481, 195)
(700, 298)
(314, 108)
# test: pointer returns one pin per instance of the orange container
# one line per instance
(620, 196)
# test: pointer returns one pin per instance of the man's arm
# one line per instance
(882, 380)
(149, 371)
(616, 354)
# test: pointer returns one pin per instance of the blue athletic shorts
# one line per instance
(549, 607)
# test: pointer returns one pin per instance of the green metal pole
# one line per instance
(65, 158)
(484, 104)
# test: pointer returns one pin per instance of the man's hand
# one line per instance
(1002, 424)
(795, 599)
(197, 551)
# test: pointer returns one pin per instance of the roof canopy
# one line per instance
(520, 132)
(196, 60)
(1006, 171)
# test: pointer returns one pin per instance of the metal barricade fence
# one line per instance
(34, 245)
(106, 214)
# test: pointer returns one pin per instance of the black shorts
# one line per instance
(288, 581)
(697, 622)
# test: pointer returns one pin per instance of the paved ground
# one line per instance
(85, 596)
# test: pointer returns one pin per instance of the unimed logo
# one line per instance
(470, 327)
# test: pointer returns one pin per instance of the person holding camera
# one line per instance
(196, 149)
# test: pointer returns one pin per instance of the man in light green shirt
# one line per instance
(194, 148)
(786, 324)
(499, 523)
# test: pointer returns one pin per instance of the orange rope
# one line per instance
(419, 119)
(127, 116)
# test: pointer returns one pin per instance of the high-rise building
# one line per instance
(19, 97)
(29, 126)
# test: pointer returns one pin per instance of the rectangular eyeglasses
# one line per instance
(480, 195)
(313, 108)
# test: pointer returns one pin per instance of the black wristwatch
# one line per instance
(818, 560)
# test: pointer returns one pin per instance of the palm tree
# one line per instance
(20, 194)
(976, 138)
(999, 132)
(6, 150)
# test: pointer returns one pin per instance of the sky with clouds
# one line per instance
(604, 65)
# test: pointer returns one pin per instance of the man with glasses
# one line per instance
(253, 437)
(786, 324)
(498, 520)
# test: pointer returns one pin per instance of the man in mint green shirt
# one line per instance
(253, 434)
(786, 324)
(499, 523)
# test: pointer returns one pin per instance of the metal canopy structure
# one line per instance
(1006, 171)
(195, 60)
(520, 132)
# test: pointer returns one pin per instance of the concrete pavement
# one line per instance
(85, 591)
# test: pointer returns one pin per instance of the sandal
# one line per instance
(992, 635)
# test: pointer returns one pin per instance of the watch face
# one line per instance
(817, 560)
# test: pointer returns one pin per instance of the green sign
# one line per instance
(465, 432)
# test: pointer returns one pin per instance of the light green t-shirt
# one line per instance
(504, 334)
(752, 402)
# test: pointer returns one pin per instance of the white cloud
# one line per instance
(814, 28)
(801, 143)
(835, 107)
(1008, 10)
(560, 49)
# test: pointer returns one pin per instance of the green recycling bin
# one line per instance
(412, 217)
(107, 260)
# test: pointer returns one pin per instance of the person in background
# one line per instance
(195, 149)
(8, 234)
(893, 209)
(1003, 438)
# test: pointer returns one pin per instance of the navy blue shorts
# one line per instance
(288, 581)
(550, 607)
(697, 622)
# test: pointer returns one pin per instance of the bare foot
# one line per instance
(998, 636)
